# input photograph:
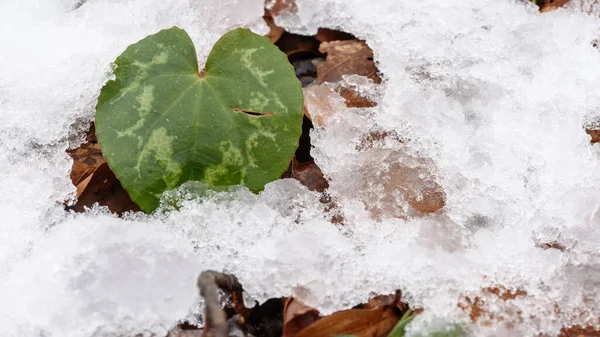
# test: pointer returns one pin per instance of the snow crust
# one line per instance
(494, 96)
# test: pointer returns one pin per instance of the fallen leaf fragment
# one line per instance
(550, 5)
(350, 57)
(479, 306)
(595, 134)
(297, 316)
(308, 174)
(578, 331)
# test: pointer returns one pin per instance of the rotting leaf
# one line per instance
(351, 57)
(161, 123)
(297, 316)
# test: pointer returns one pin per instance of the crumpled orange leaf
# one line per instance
(377, 322)
(297, 316)
(350, 57)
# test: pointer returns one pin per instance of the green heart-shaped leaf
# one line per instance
(161, 123)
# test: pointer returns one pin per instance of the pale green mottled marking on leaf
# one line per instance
(159, 149)
(232, 159)
(144, 99)
(246, 59)
(160, 123)
(258, 101)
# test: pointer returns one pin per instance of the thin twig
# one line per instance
(209, 281)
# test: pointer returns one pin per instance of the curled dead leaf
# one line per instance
(94, 179)
(377, 322)
(103, 187)
(86, 159)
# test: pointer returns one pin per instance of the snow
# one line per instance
(488, 98)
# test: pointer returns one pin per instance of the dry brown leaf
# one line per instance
(550, 5)
(308, 174)
(355, 100)
(104, 188)
(297, 316)
(327, 35)
(578, 331)
(595, 134)
(412, 178)
(358, 322)
(351, 57)
(321, 103)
